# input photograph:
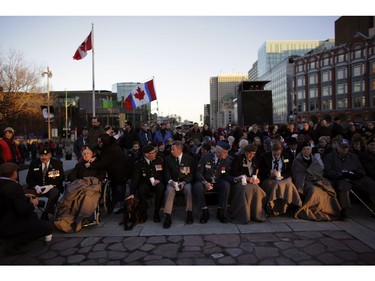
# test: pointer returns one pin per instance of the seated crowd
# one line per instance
(262, 172)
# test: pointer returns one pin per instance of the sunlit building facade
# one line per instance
(223, 90)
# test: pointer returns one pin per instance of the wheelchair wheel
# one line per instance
(107, 197)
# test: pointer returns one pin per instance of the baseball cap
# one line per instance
(343, 143)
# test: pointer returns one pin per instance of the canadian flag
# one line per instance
(144, 93)
(83, 48)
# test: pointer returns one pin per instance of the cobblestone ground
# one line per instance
(297, 248)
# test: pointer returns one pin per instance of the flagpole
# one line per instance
(93, 71)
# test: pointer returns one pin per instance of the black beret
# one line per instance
(45, 150)
(148, 148)
(306, 143)
(8, 167)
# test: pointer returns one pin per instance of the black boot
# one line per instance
(205, 216)
(168, 221)
(220, 216)
(189, 217)
(156, 216)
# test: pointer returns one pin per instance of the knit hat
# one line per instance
(9, 129)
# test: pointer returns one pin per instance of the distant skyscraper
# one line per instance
(223, 90)
(272, 52)
(253, 72)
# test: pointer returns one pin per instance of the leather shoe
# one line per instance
(156, 217)
(220, 216)
(167, 221)
(344, 215)
(44, 217)
(189, 217)
(205, 216)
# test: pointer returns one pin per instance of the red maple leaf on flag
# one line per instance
(139, 94)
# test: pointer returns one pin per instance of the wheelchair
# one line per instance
(104, 204)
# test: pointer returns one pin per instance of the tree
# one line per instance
(20, 91)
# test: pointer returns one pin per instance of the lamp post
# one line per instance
(66, 113)
(49, 75)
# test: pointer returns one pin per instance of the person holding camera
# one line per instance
(19, 224)
(45, 178)
(345, 171)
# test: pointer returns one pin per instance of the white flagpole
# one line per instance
(93, 71)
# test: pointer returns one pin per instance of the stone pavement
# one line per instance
(281, 240)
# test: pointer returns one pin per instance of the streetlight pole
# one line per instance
(66, 115)
(49, 75)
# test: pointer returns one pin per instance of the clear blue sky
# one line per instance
(181, 52)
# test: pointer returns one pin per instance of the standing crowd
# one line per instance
(307, 170)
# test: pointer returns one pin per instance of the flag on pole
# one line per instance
(83, 48)
(144, 93)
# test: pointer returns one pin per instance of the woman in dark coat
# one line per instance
(248, 197)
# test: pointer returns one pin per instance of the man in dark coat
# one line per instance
(213, 173)
(148, 176)
(95, 131)
(45, 178)
(367, 158)
(345, 171)
(179, 171)
(117, 165)
(19, 224)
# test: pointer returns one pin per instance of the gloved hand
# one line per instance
(47, 188)
(38, 189)
(349, 175)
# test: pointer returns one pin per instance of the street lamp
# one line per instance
(49, 75)
(66, 113)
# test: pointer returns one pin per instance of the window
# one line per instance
(312, 65)
(358, 86)
(326, 76)
(326, 91)
(300, 81)
(341, 73)
(325, 61)
(326, 105)
(340, 58)
(372, 70)
(300, 68)
(342, 88)
(342, 103)
(313, 79)
(357, 54)
(313, 93)
(313, 106)
(358, 102)
(358, 70)
(300, 94)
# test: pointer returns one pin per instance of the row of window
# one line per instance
(341, 103)
(341, 73)
(360, 53)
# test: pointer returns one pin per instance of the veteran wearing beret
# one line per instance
(45, 178)
(213, 174)
(148, 176)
